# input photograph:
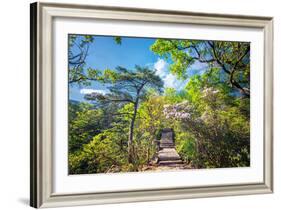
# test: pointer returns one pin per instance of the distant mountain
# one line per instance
(74, 101)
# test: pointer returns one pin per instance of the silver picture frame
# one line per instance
(41, 161)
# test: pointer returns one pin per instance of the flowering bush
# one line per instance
(178, 111)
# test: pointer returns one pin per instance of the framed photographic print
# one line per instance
(135, 104)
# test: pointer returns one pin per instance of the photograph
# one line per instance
(142, 104)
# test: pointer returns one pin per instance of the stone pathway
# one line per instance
(167, 158)
(167, 155)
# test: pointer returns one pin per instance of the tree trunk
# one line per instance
(131, 133)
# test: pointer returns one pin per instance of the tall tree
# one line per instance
(128, 87)
(233, 58)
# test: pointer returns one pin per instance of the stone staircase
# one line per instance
(167, 155)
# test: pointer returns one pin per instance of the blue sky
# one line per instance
(105, 53)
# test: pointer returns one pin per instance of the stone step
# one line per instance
(167, 143)
(170, 163)
(167, 146)
(166, 158)
(168, 154)
(166, 140)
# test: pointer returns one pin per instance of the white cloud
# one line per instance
(170, 80)
(161, 68)
(89, 91)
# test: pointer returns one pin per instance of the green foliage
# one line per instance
(233, 58)
(173, 96)
(149, 123)
(186, 146)
(172, 49)
(84, 123)
(105, 153)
